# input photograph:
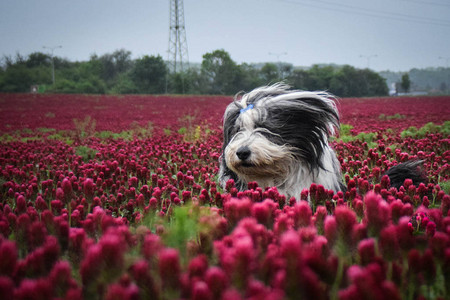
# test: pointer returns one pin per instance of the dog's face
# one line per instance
(268, 131)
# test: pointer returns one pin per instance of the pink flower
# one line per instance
(6, 287)
(330, 230)
(262, 213)
(140, 271)
(366, 251)
(21, 204)
(217, 281)
(438, 242)
(388, 243)
(91, 266)
(66, 186)
(345, 219)
(405, 236)
(33, 289)
(430, 229)
(290, 247)
(236, 209)
(61, 276)
(319, 218)
(377, 214)
(169, 268)
(302, 214)
(201, 291)
(8, 257)
(89, 188)
(198, 266)
(119, 291)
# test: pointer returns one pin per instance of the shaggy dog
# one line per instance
(278, 137)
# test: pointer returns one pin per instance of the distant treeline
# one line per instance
(429, 80)
(118, 73)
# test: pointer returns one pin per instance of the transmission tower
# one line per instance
(178, 51)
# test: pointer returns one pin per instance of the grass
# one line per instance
(397, 116)
(346, 136)
(427, 128)
(86, 153)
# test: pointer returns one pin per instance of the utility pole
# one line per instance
(368, 57)
(53, 63)
(178, 50)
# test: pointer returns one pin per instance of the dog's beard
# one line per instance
(268, 163)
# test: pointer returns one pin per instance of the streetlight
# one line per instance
(278, 60)
(53, 63)
(368, 57)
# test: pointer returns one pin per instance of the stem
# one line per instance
(70, 215)
(337, 282)
(389, 271)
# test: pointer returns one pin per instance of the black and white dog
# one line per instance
(279, 137)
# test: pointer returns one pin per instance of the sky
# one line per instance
(395, 35)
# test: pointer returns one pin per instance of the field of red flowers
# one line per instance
(115, 197)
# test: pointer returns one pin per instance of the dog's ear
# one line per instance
(229, 121)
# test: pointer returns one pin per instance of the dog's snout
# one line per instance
(243, 153)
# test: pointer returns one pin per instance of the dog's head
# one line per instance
(272, 129)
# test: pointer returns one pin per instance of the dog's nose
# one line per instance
(243, 153)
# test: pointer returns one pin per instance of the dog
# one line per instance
(279, 137)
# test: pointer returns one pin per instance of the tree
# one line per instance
(270, 73)
(149, 75)
(219, 71)
(319, 78)
(247, 78)
(38, 59)
(405, 83)
(347, 82)
(299, 79)
(377, 85)
(110, 66)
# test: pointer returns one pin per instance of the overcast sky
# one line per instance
(403, 34)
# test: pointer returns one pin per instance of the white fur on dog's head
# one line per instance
(279, 137)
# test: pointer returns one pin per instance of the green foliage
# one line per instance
(445, 186)
(346, 136)
(182, 227)
(6, 138)
(270, 73)
(117, 73)
(427, 128)
(397, 116)
(46, 130)
(149, 75)
(405, 83)
(84, 128)
(220, 72)
(85, 152)
(61, 136)
(351, 82)
(345, 130)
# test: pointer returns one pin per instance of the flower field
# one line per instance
(116, 197)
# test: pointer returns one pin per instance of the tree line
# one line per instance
(218, 74)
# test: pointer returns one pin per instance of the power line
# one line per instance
(368, 12)
(376, 11)
(427, 3)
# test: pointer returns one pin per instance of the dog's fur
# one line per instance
(279, 137)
